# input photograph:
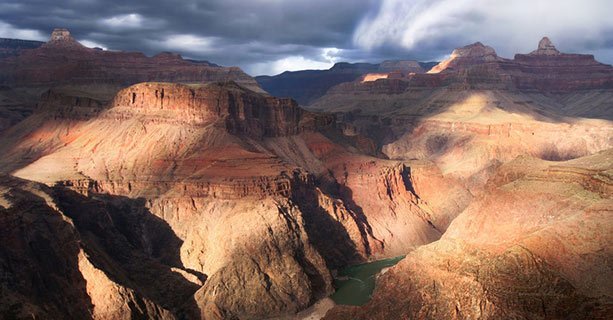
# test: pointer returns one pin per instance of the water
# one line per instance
(358, 282)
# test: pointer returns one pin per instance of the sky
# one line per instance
(272, 36)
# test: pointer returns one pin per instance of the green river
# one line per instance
(355, 284)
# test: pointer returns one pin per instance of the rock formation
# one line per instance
(546, 48)
(471, 55)
(477, 66)
(64, 61)
(61, 39)
(476, 110)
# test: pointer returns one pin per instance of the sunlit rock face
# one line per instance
(476, 53)
(374, 77)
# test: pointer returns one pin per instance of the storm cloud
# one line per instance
(270, 36)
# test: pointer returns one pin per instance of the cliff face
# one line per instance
(68, 256)
(535, 245)
(28, 69)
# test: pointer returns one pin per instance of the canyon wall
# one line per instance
(536, 246)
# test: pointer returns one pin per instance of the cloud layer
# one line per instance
(270, 36)
(428, 28)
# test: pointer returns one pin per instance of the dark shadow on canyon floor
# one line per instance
(135, 248)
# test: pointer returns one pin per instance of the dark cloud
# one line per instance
(229, 32)
(268, 36)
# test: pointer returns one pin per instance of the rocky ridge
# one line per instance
(63, 64)
(308, 85)
(47, 66)
(477, 66)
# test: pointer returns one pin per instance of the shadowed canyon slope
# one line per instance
(161, 188)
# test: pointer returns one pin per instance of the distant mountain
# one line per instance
(306, 86)
(12, 47)
(571, 84)
(64, 61)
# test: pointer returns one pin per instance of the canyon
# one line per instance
(164, 188)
